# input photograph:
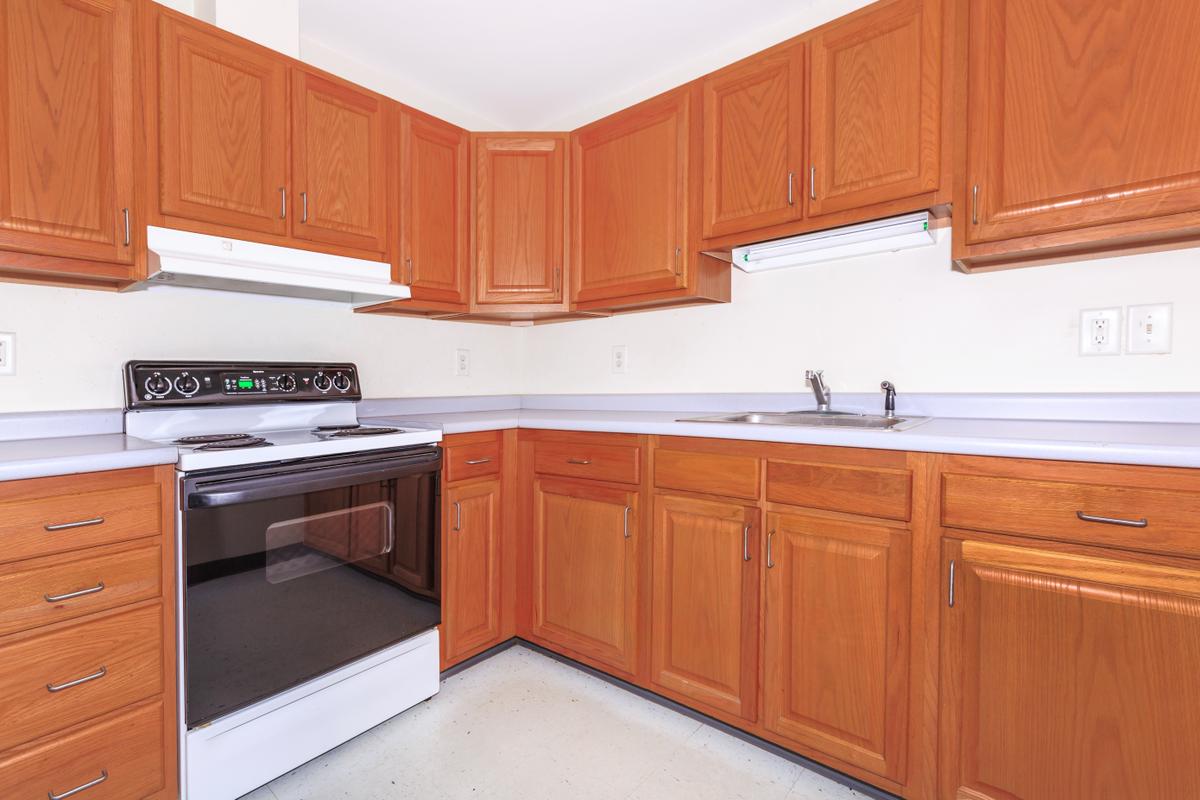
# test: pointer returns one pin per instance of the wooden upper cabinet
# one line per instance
(876, 117)
(339, 165)
(629, 184)
(66, 128)
(471, 566)
(836, 639)
(1079, 114)
(435, 215)
(222, 129)
(1069, 674)
(520, 202)
(753, 132)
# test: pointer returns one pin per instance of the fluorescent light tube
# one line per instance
(880, 236)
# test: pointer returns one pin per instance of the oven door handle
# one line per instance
(217, 493)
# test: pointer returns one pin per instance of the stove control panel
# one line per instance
(151, 384)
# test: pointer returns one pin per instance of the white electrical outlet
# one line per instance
(462, 362)
(1100, 332)
(8, 355)
(1150, 329)
(620, 359)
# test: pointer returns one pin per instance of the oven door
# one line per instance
(293, 570)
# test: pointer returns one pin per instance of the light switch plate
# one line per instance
(1100, 332)
(1150, 329)
(8, 355)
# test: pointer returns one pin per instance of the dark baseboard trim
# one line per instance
(484, 656)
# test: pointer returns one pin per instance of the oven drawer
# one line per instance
(57, 679)
(122, 756)
(57, 588)
(59, 523)
(602, 462)
(474, 460)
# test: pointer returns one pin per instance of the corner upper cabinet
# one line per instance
(875, 118)
(66, 134)
(1082, 128)
(519, 219)
(753, 132)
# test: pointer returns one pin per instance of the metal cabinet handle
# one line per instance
(282, 202)
(72, 792)
(95, 676)
(625, 521)
(791, 187)
(457, 516)
(474, 461)
(304, 206)
(975, 204)
(83, 523)
(581, 461)
(812, 183)
(557, 280)
(1124, 523)
(950, 593)
(770, 559)
(746, 542)
(125, 213)
(408, 263)
(55, 598)
(678, 253)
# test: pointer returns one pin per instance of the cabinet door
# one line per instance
(435, 182)
(876, 111)
(339, 167)
(629, 179)
(223, 129)
(66, 128)
(836, 639)
(704, 634)
(1069, 675)
(1080, 114)
(519, 219)
(471, 564)
(585, 593)
(753, 135)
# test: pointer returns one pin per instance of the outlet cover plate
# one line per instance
(1100, 332)
(462, 362)
(620, 359)
(1150, 329)
(8, 355)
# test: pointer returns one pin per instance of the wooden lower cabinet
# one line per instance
(471, 569)
(585, 555)
(704, 629)
(1068, 673)
(836, 630)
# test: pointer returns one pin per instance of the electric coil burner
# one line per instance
(362, 431)
(236, 443)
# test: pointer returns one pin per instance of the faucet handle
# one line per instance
(814, 374)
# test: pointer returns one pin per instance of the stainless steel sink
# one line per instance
(817, 419)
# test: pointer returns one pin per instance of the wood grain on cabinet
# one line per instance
(471, 564)
(875, 118)
(66, 133)
(870, 491)
(726, 474)
(586, 456)
(520, 219)
(836, 639)
(1068, 674)
(753, 142)
(705, 612)
(472, 456)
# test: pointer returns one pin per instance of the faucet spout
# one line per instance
(816, 379)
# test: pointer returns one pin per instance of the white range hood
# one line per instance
(196, 260)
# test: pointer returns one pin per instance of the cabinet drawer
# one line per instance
(123, 652)
(1118, 516)
(602, 462)
(870, 491)
(472, 460)
(59, 523)
(57, 588)
(126, 748)
(710, 473)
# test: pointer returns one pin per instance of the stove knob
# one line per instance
(322, 382)
(158, 385)
(341, 382)
(187, 385)
(287, 383)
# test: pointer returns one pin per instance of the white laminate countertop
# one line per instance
(66, 455)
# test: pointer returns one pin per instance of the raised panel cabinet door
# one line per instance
(435, 187)
(471, 564)
(1080, 113)
(339, 166)
(66, 128)
(836, 652)
(1068, 676)
(629, 179)
(520, 185)
(585, 544)
(876, 114)
(704, 631)
(222, 129)
(753, 140)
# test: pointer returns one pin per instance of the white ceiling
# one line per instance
(542, 64)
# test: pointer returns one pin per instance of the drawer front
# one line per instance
(475, 460)
(121, 756)
(709, 473)
(57, 588)
(601, 462)
(68, 522)
(116, 660)
(1127, 517)
(869, 491)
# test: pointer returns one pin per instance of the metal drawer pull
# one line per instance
(770, 560)
(625, 522)
(457, 516)
(1125, 523)
(72, 792)
(746, 542)
(476, 461)
(83, 523)
(581, 461)
(95, 676)
(54, 598)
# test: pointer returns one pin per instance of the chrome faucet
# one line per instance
(816, 379)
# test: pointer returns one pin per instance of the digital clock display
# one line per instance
(245, 383)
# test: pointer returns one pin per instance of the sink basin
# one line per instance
(817, 419)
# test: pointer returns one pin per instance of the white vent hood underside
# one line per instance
(196, 260)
